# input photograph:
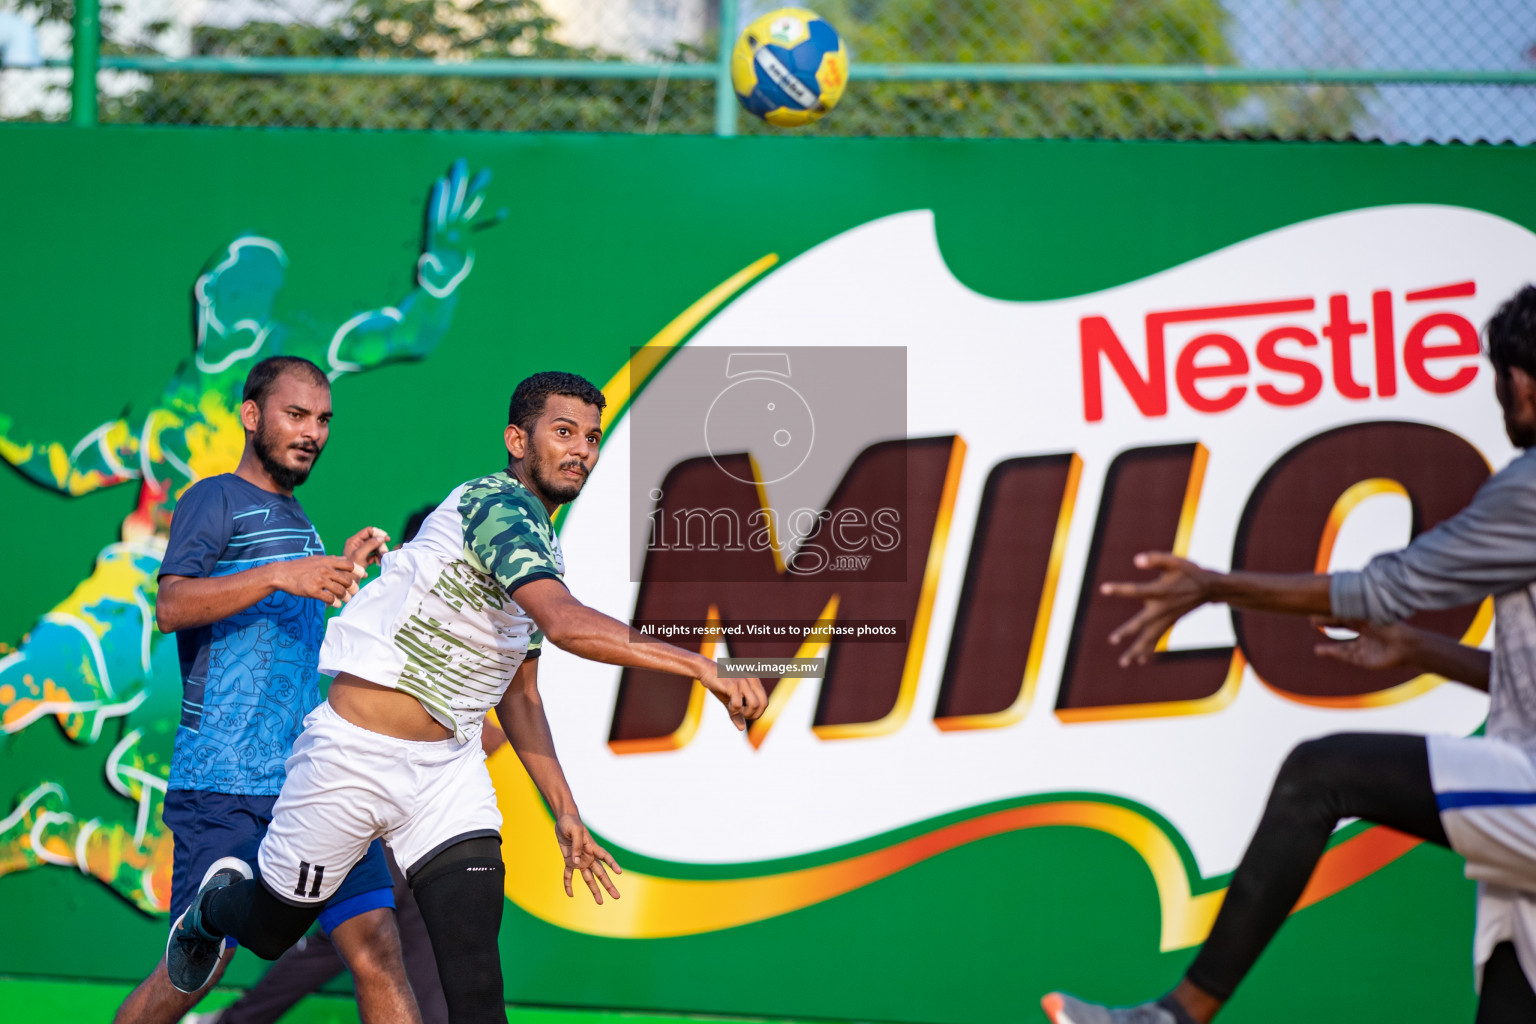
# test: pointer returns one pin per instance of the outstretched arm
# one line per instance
(1486, 548)
(511, 537)
(588, 633)
(1399, 645)
(1182, 586)
(105, 457)
(413, 328)
(521, 713)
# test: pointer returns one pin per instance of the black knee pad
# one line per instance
(460, 894)
(482, 852)
(1318, 765)
(1309, 762)
(258, 920)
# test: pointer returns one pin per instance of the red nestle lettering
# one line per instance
(1339, 331)
(1460, 290)
(1386, 344)
(1193, 365)
(1417, 353)
(1150, 395)
(1270, 359)
(1187, 373)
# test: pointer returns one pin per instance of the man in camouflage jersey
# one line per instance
(450, 629)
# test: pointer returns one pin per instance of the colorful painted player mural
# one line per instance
(95, 663)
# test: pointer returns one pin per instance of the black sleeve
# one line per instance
(200, 530)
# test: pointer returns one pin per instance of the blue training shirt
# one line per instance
(248, 680)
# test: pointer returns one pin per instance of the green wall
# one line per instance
(606, 239)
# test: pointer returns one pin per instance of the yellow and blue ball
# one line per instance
(789, 67)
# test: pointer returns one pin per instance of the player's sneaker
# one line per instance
(191, 953)
(1064, 1009)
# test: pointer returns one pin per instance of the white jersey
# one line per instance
(440, 623)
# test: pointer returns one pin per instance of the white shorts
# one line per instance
(347, 786)
(1486, 792)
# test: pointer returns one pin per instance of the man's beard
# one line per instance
(285, 476)
(555, 490)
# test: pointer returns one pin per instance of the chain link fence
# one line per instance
(1388, 70)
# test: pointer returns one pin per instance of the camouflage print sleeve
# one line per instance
(507, 531)
(535, 644)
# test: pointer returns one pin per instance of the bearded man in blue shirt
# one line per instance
(244, 585)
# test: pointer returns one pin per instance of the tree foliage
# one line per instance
(876, 31)
(1101, 32)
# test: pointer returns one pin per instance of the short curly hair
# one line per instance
(1510, 337)
(530, 396)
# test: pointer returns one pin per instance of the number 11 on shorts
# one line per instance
(313, 893)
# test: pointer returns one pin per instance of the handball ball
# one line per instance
(789, 67)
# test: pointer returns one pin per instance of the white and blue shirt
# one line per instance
(248, 680)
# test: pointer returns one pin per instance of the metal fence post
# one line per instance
(725, 94)
(85, 60)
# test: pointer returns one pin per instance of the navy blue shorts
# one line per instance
(207, 826)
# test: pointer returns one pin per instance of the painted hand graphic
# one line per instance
(449, 254)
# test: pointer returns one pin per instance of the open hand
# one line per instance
(744, 697)
(582, 854)
(366, 546)
(1376, 647)
(323, 577)
(448, 254)
(1180, 587)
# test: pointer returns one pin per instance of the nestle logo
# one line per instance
(1211, 373)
